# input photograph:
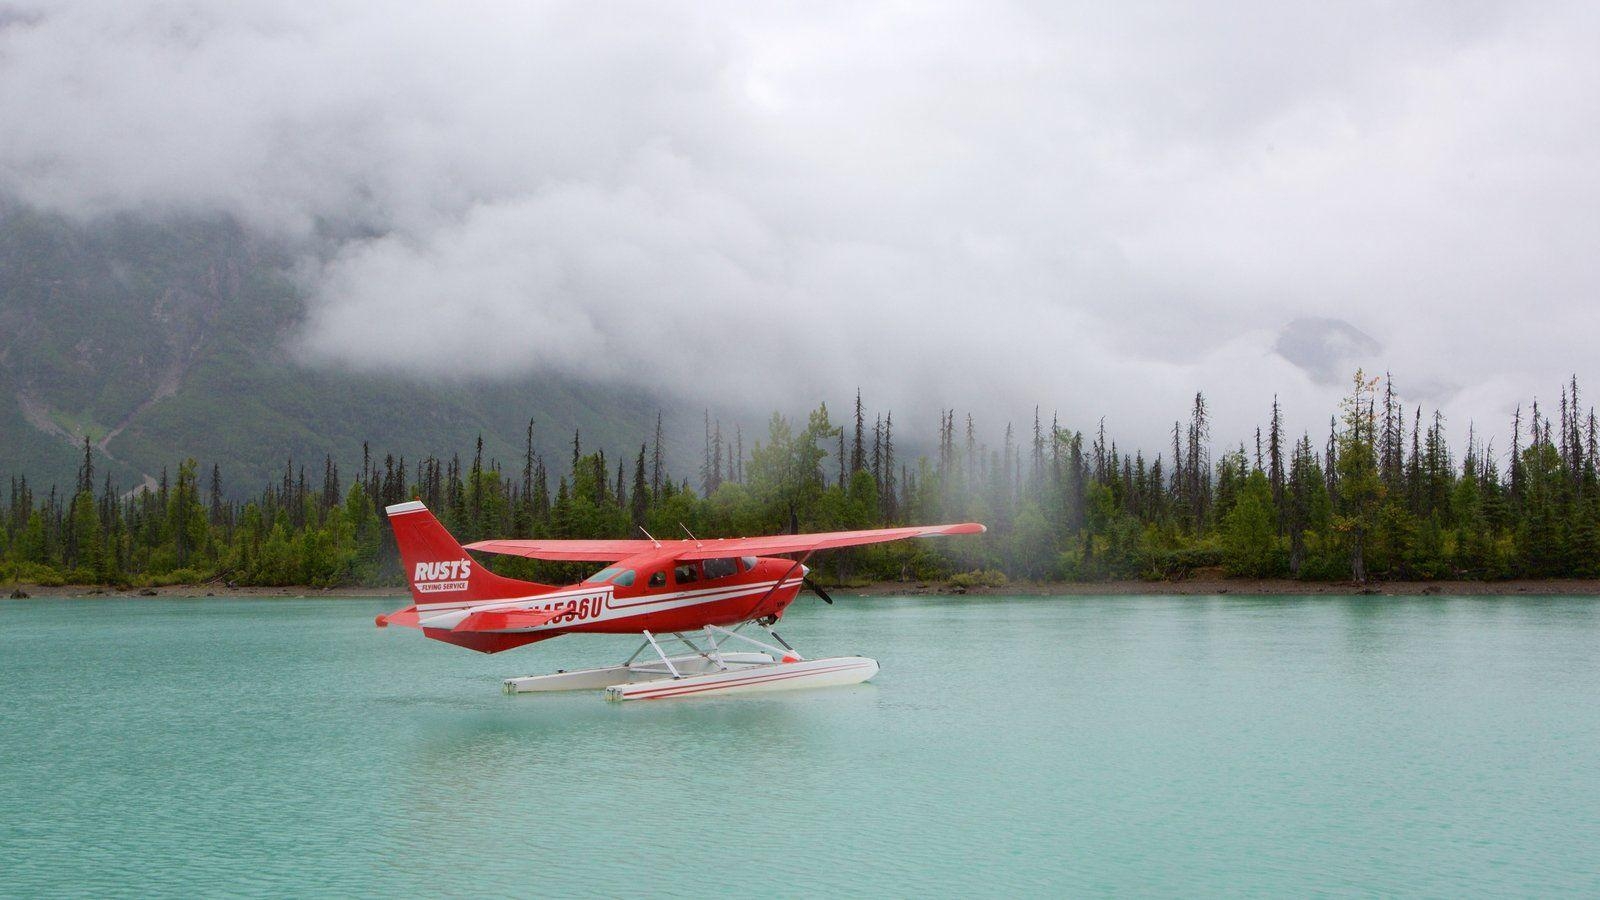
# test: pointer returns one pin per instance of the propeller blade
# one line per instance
(817, 589)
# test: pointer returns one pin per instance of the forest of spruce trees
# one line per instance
(1382, 495)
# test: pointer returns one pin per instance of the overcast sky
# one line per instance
(1096, 207)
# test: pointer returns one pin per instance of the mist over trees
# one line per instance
(1382, 495)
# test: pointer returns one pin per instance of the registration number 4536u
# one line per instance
(577, 609)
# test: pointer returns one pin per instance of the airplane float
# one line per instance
(694, 595)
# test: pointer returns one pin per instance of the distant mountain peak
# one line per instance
(1326, 349)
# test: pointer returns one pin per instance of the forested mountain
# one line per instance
(163, 340)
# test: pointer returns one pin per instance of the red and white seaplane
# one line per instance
(699, 593)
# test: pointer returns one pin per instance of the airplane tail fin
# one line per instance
(439, 569)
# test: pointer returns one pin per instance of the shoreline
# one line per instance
(1249, 587)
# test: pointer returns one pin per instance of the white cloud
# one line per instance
(1099, 208)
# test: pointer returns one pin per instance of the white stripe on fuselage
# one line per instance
(448, 615)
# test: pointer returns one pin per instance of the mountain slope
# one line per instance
(165, 340)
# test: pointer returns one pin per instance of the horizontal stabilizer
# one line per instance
(505, 619)
(406, 617)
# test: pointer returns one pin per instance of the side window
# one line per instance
(719, 568)
(658, 579)
(749, 563)
(624, 580)
(686, 573)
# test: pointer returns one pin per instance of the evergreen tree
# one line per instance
(1275, 472)
(1361, 493)
(858, 450)
(657, 473)
(1249, 528)
(641, 491)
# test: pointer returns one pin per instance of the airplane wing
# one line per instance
(568, 551)
(713, 548)
(827, 540)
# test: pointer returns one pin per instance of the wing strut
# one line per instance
(799, 563)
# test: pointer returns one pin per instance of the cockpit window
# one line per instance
(658, 579)
(720, 568)
(615, 574)
(603, 574)
(686, 573)
(749, 563)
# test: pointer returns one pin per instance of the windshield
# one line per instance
(615, 574)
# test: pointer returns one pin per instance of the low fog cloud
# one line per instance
(1099, 208)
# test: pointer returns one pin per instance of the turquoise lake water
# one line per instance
(1021, 746)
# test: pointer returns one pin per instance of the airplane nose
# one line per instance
(804, 570)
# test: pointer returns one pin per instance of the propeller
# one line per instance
(817, 589)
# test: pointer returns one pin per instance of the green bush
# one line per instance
(177, 576)
(32, 573)
(1171, 564)
(983, 578)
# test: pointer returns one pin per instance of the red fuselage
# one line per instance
(645, 592)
